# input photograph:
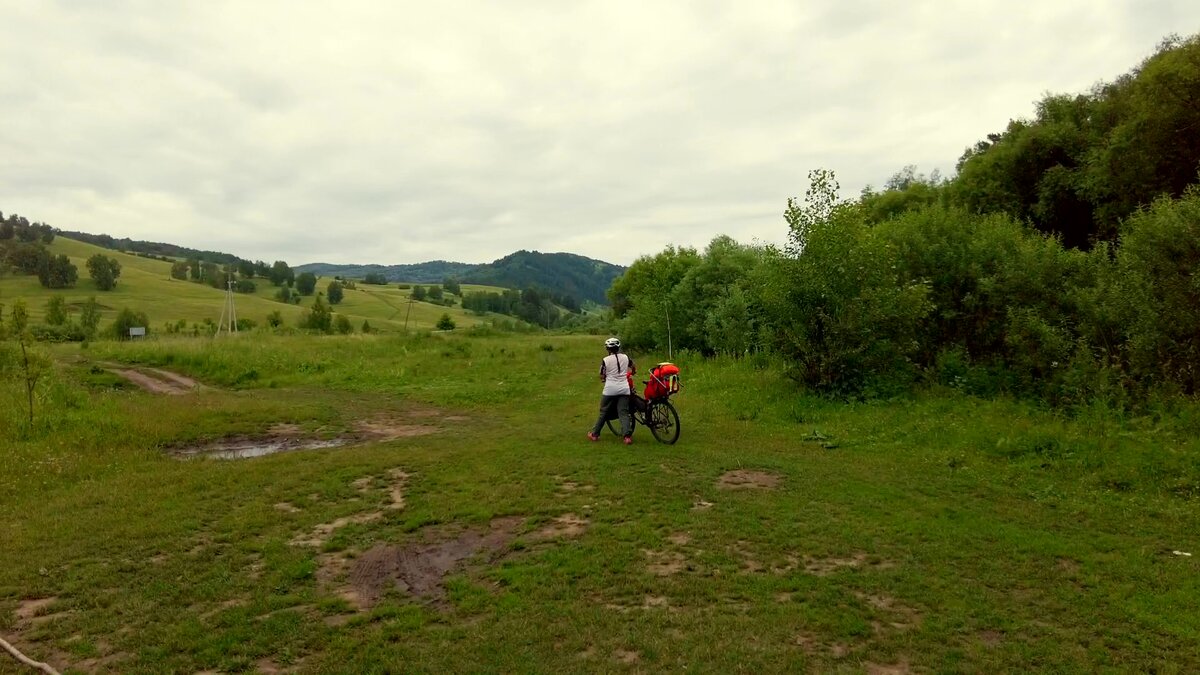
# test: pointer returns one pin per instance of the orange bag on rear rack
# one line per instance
(664, 381)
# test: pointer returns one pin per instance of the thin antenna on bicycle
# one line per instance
(670, 357)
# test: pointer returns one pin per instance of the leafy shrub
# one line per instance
(445, 323)
(126, 319)
(319, 317)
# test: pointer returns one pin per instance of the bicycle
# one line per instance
(657, 414)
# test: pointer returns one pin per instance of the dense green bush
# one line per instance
(1155, 293)
(126, 319)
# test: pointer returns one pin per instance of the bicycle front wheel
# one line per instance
(663, 421)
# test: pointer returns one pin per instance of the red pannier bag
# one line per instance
(664, 381)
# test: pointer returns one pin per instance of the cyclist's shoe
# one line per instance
(593, 437)
(629, 440)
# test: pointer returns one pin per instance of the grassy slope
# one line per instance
(146, 285)
(993, 537)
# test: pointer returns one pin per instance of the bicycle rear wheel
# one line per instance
(663, 421)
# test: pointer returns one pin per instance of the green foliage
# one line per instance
(568, 274)
(342, 325)
(245, 286)
(56, 311)
(179, 270)
(319, 317)
(57, 271)
(366, 327)
(434, 294)
(840, 311)
(641, 294)
(445, 323)
(126, 319)
(306, 283)
(418, 293)
(1156, 292)
(375, 278)
(335, 292)
(451, 285)
(905, 191)
(275, 319)
(281, 275)
(104, 271)
(32, 365)
(1086, 162)
(89, 318)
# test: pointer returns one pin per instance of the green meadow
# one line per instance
(146, 285)
(465, 523)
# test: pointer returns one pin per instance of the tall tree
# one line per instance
(334, 292)
(306, 283)
(104, 271)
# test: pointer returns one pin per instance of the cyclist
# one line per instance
(616, 372)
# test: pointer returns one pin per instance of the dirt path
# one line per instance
(158, 381)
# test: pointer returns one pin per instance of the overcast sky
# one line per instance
(397, 132)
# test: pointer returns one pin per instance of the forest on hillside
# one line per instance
(1061, 262)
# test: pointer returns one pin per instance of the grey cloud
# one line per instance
(386, 132)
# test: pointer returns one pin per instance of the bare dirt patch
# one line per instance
(385, 429)
(287, 436)
(419, 569)
(566, 525)
(244, 447)
(991, 638)
(897, 615)
(665, 563)
(814, 644)
(28, 609)
(286, 508)
(898, 668)
(748, 479)
(626, 656)
(825, 566)
(322, 532)
(680, 538)
(399, 482)
(701, 505)
(157, 381)
(653, 601)
(569, 486)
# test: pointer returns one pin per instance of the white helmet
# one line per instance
(612, 343)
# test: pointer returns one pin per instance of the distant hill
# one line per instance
(153, 248)
(562, 273)
(433, 271)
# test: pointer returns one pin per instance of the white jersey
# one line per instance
(615, 370)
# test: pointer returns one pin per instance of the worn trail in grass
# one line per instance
(781, 533)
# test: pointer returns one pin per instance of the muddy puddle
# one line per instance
(286, 437)
(260, 447)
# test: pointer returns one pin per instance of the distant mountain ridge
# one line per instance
(432, 271)
(563, 273)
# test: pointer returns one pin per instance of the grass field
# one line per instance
(470, 526)
(146, 285)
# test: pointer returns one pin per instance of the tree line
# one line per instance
(967, 281)
(1084, 162)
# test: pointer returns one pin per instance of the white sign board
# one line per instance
(137, 331)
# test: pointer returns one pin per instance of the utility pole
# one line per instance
(407, 314)
(229, 309)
